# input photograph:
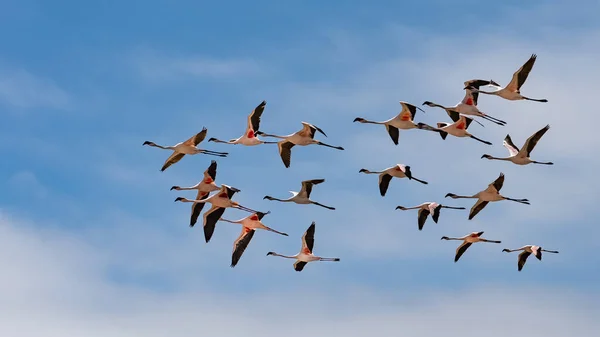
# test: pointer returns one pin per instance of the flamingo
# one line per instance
(528, 250)
(306, 255)
(427, 208)
(512, 91)
(249, 225)
(385, 176)
(468, 240)
(219, 201)
(303, 197)
(458, 128)
(490, 194)
(249, 137)
(521, 157)
(304, 137)
(468, 106)
(204, 187)
(404, 121)
(183, 148)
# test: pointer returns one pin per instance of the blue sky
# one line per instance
(89, 230)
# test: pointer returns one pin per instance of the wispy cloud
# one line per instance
(156, 66)
(60, 282)
(22, 89)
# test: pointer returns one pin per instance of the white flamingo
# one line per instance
(427, 208)
(303, 197)
(204, 188)
(304, 137)
(521, 157)
(528, 250)
(404, 120)
(385, 176)
(249, 225)
(468, 240)
(512, 91)
(249, 137)
(490, 194)
(306, 253)
(183, 148)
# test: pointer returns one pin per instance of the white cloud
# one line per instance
(58, 283)
(22, 89)
(152, 65)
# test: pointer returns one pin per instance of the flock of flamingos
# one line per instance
(458, 113)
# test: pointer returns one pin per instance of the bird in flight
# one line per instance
(304, 137)
(521, 157)
(306, 253)
(512, 91)
(490, 194)
(187, 147)
(468, 240)
(526, 251)
(249, 138)
(303, 197)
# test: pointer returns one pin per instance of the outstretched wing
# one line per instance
(211, 171)
(423, 213)
(532, 141)
(210, 221)
(436, 213)
(479, 205)
(285, 151)
(408, 111)
(254, 117)
(461, 250)
(197, 207)
(520, 75)
(393, 132)
(512, 148)
(240, 244)
(307, 186)
(471, 97)
(499, 182)
(311, 129)
(384, 183)
(174, 158)
(523, 258)
(299, 265)
(197, 138)
(308, 239)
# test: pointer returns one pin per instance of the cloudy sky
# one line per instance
(92, 244)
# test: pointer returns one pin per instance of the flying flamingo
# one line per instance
(458, 128)
(204, 187)
(385, 176)
(404, 121)
(249, 138)
(468, 240)
(303, 197)
(306, 254)
(183, 148)
(521, 157)
(427, 208)
(490, 194)
(528, 250)
(304, 137)
(512, 91)
(249, 225)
